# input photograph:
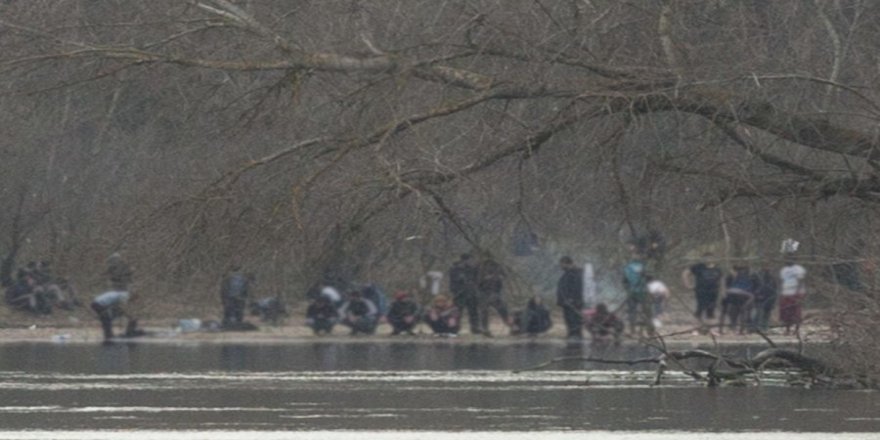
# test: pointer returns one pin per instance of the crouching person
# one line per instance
(604, 326)
(359, 314)
(111, 305)
(534, 320)
(443, 316)
(403, 315)
(321, 315)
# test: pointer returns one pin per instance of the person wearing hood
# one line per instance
(321, 315)
(403, 314)
(359, 314)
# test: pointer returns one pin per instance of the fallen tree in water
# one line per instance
(801, 370)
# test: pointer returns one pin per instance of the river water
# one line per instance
(448, 389)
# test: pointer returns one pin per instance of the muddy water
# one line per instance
(89, 391)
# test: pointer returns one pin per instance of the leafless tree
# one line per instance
(372, 139)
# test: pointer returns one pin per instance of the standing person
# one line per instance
(443, 316)
(463, 277)
(766, 292)
(404, 313)
(111, 305)
(490, 286)
(659, 295)
(569, 296)
(233, 295)
(118, 272)
(793, 293)
(638, 308)
(705, 278)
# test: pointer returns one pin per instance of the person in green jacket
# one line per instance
(638, 307)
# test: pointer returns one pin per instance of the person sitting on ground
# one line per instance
(24, 295)
(404, 313)
(443, 316)
(737, 302)
(604, 325)
(533, 320)
(321, 315)
(659, 296)
(270, 309)
(359, 314)
(58, 292)
(114, 304)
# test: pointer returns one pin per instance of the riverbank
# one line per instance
(80, 327)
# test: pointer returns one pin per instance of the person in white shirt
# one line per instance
(792, 295)
(659, 295)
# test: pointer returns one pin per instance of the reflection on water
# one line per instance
(359, 388)
(321, 356)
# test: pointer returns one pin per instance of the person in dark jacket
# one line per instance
(233, 295)
(569, 296)
(119, 273)
(403, 314)
(24, 295)
(533, 320)
(705, 278)
(738, 299)
(766, 292)
(321, 315)
(463, 280)
(490, 286)
(359, 314)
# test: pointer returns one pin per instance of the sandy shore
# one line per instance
(78, 328)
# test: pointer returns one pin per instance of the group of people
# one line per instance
(365, 308)
(476, 287)
(37, 290)
(750, 295)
